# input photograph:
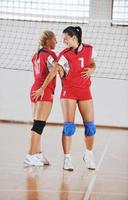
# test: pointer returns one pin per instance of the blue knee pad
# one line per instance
(90, 128)
(69, 129)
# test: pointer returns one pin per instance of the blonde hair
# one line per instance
(44, 37)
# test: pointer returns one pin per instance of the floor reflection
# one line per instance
(64, 186)
(32, 183)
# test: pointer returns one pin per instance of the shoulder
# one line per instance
(51, 53)
(88, 46)
(65, 51)
(47, 52)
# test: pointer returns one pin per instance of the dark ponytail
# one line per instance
(79, 32)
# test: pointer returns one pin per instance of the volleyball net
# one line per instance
(104, 25)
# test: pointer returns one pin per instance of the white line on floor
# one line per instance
(94, 174)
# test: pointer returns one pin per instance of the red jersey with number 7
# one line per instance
(73, 64)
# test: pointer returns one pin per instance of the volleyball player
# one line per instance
(78, 64)
(42, 65)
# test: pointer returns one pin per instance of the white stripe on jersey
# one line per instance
(64, 63)
(50, 60)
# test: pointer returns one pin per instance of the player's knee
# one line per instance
(38, 126)
(69, 129)
(90, 128)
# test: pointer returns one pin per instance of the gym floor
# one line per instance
(108, 182)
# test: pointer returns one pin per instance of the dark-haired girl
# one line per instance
(78, 64)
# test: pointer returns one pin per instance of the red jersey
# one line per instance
(73, 64)
(42, 64)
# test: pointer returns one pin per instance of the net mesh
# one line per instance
(103, 24)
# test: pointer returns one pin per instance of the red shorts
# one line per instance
(48, 94)
(76, 93)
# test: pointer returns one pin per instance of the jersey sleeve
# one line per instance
(64, 63)
(94, 54)
(50, 61)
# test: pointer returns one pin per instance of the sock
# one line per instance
(67, 155)
(88, 152)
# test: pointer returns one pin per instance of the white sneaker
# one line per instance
(32, 160)
(68, 164)
(42, 158)
(89, 161)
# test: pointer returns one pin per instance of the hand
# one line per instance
(37, 93)
(87, 72)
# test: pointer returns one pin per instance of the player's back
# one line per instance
(39, 66)
(42, 63)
